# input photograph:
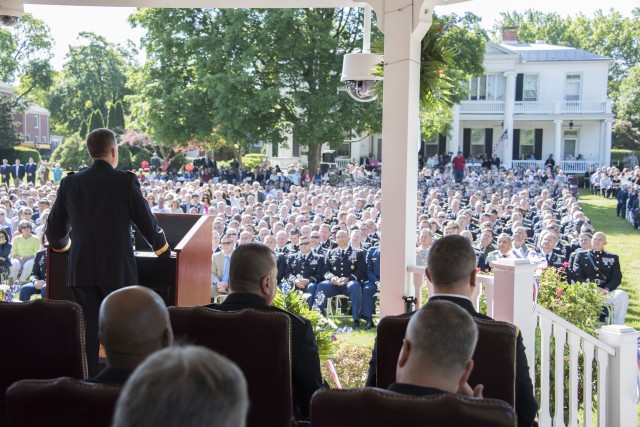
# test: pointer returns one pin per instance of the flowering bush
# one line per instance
(578, 303)
(7, 293)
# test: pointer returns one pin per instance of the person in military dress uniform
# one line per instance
(305, 269)
(346, 270)
(371, 287)
(99, 205)
(252, 284)
(602, 267)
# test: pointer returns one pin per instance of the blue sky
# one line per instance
(66, 22)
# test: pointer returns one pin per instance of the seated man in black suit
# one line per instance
(436, 352)
(252, 284)
(134, 322)
(457, 285)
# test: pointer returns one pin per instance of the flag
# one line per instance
(503, 138)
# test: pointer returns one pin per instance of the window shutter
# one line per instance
(488, 141)
(537, 141)
(466, 142)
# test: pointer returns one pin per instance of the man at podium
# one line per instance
(97, 206)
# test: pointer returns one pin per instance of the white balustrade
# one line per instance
(537, 107)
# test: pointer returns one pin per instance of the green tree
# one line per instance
(116, 118)
(9, 134)
(71, 153)
(625, 135)
(84, 129)
(96, 120)
(306, 48)
(628, 103)
(93, 77)
(25, 52)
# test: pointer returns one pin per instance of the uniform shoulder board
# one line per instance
(292, 315)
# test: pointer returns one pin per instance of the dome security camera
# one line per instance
(10, 12)
(357, 73)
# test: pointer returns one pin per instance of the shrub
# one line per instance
(352, 364)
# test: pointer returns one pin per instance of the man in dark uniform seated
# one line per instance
(134, 322)
(252, 282)
(602, 267)
(346, 270)
(305, 269)
(456, 285)
(436, 352)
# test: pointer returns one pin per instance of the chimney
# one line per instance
(510, 35)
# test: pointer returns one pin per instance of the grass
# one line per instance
(622, 240)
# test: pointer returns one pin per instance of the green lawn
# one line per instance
(623, 240)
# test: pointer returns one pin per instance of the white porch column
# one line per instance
(621, 409)
(454, 142)
(509, 105)
(607, 142)
(400, 133)
(513, 300)
(557, 142)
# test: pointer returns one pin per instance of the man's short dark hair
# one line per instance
(100, 141)
(443, 334)
(248, 265)
(447, 252)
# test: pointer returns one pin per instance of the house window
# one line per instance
(572, 86)
(35, 139)
(36, 122)
(431, 147)
(526, 143)
(27, 138)
(44, 139)
(477, 142)
(344, 150)
(530, 87)
(488, 87)
(570, 145)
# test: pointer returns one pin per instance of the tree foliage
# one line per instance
(115, 121)
(96, 120)
(25, 54)
(93, 78)
(629, 97)
(9, 134)
(239, 76)
(71, 153)
(625, 135)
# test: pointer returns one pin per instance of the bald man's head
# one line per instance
(134, 322)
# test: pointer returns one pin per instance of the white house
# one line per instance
(550, 99)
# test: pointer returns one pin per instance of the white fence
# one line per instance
(509, 298)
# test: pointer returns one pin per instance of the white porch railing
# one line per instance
(285, 162)
(508, 297)
(537, 107)
(568, 166)
(342, 162)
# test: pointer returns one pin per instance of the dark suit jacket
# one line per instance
(305, 362)
(111, 376)
(19, 173)
(310, 267)
(99, 204)
(526, 404)
(5, 171)
(31, 169)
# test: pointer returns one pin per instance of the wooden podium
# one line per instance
(182, 280)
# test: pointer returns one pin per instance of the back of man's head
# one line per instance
(250, 264)
(184, 386)
(440, 340)
(99, 142)
(451, 262)
(134, 322)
